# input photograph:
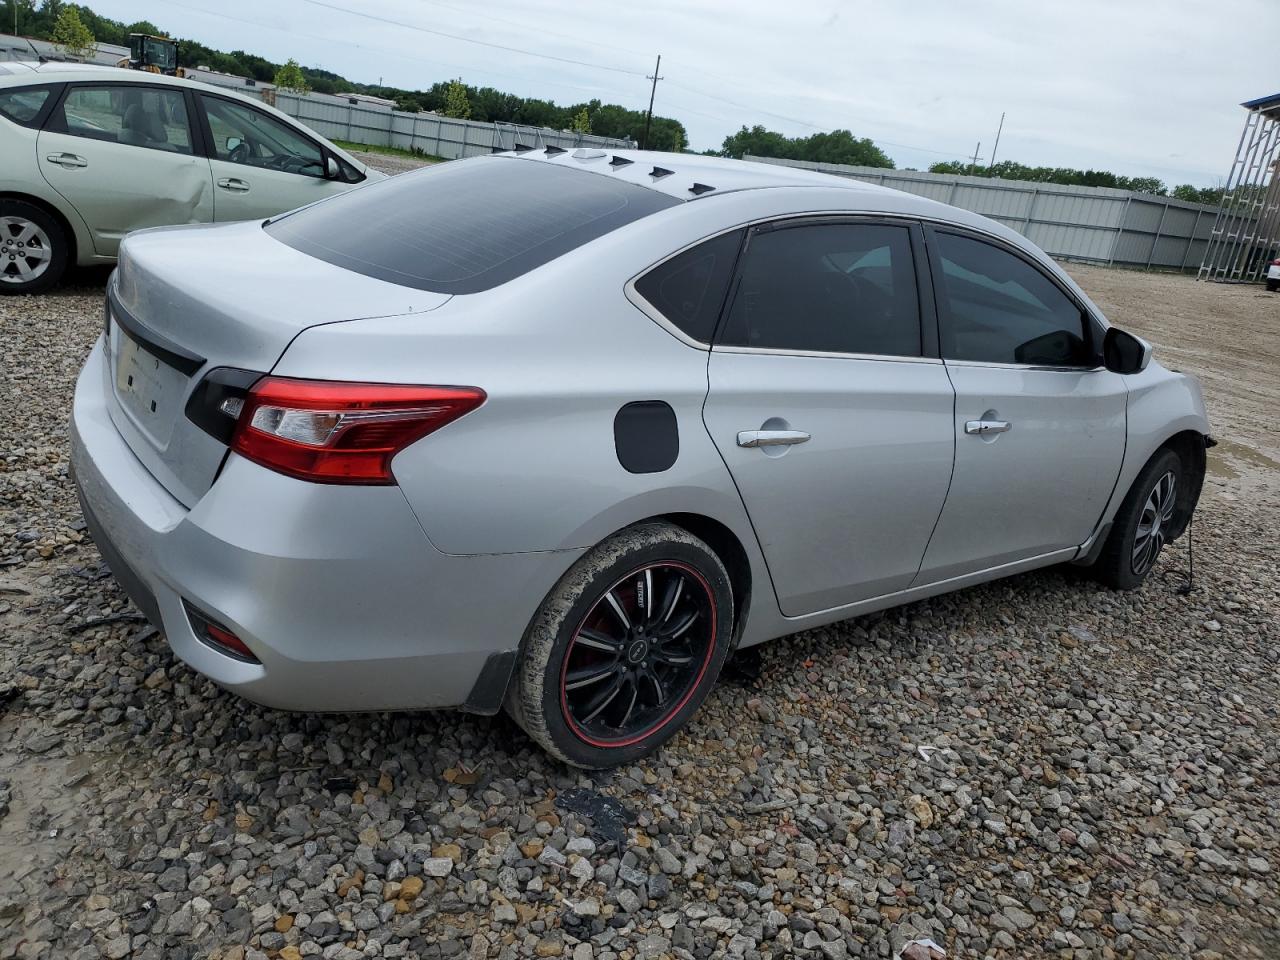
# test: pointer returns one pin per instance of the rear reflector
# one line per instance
(333, 432)
(213, 634)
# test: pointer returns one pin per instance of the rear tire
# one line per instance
(1272, 285)
(1139, 530)
(33, 248)
(625, 648)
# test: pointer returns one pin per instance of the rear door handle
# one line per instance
(771, 438)
(234, 184)
(67, 160)
(983, 427)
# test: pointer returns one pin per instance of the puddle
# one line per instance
(45, 814)
(1230, 460)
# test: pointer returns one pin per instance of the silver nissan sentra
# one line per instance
(558, 431)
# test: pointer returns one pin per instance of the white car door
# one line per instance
(1039, 423)
(122, 155)
(261, 166)
(829, 409)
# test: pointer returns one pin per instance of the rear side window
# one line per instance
(22, 106)
(689, 288)
(997, 308)
(127, 113)
(827, 288)
(467, 225)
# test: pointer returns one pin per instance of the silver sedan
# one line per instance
(556, 432)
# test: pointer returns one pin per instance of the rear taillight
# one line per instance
(332, 432)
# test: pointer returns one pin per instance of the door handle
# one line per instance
(771, 438)
(981, 428)
(67, 160)
(234, 184)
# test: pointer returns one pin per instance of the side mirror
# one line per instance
(232, 143)
(1124, 353)
(332, 170)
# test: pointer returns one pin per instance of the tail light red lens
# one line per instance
(333, 432)
(214, 634)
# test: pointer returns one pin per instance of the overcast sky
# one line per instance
(1139, 88)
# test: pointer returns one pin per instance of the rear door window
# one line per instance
(126, 113)
(827, 288)
(467, 225)
(689, 289)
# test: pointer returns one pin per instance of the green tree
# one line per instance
(70, 33)
(456, 103)
(17, 15)
(290, 77)
(581, 121)
(838, 146)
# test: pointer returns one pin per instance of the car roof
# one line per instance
(688, 177)
(677, 175)
(684, 176)
(62, 71)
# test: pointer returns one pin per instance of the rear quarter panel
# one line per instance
(558, 352)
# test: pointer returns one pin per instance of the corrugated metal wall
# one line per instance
(1095, 224)
(441, 136)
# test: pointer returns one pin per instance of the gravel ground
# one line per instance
(391, 163)
(1035, 767)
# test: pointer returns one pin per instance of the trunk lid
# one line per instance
(187, 300)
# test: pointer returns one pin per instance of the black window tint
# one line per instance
(840, 287)
(997, 308)
(465, 226)
(689, 288)
(21, 106)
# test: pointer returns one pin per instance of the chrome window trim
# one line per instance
(825, 354)
(1044, 367)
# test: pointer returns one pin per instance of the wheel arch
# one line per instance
(495, 682)
(728, 547)
(1191, 447)
(73, 254)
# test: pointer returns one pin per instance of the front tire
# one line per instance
(33, 248)
(625, 648)
(1140, 529)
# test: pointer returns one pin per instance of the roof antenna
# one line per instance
(39, 56)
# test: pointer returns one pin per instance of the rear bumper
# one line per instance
(337, 590)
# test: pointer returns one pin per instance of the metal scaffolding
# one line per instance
(1246, 234)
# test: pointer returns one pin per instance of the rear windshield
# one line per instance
(465, 226)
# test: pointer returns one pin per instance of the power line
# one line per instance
(417, 61)
(755, 110)
(483, 43)
(534, 29)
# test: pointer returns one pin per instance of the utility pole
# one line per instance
(644, 145)
(999, 129)
(973, 161)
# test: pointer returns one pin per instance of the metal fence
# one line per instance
(440, 136)
(1246, 232)
(1091, 224)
